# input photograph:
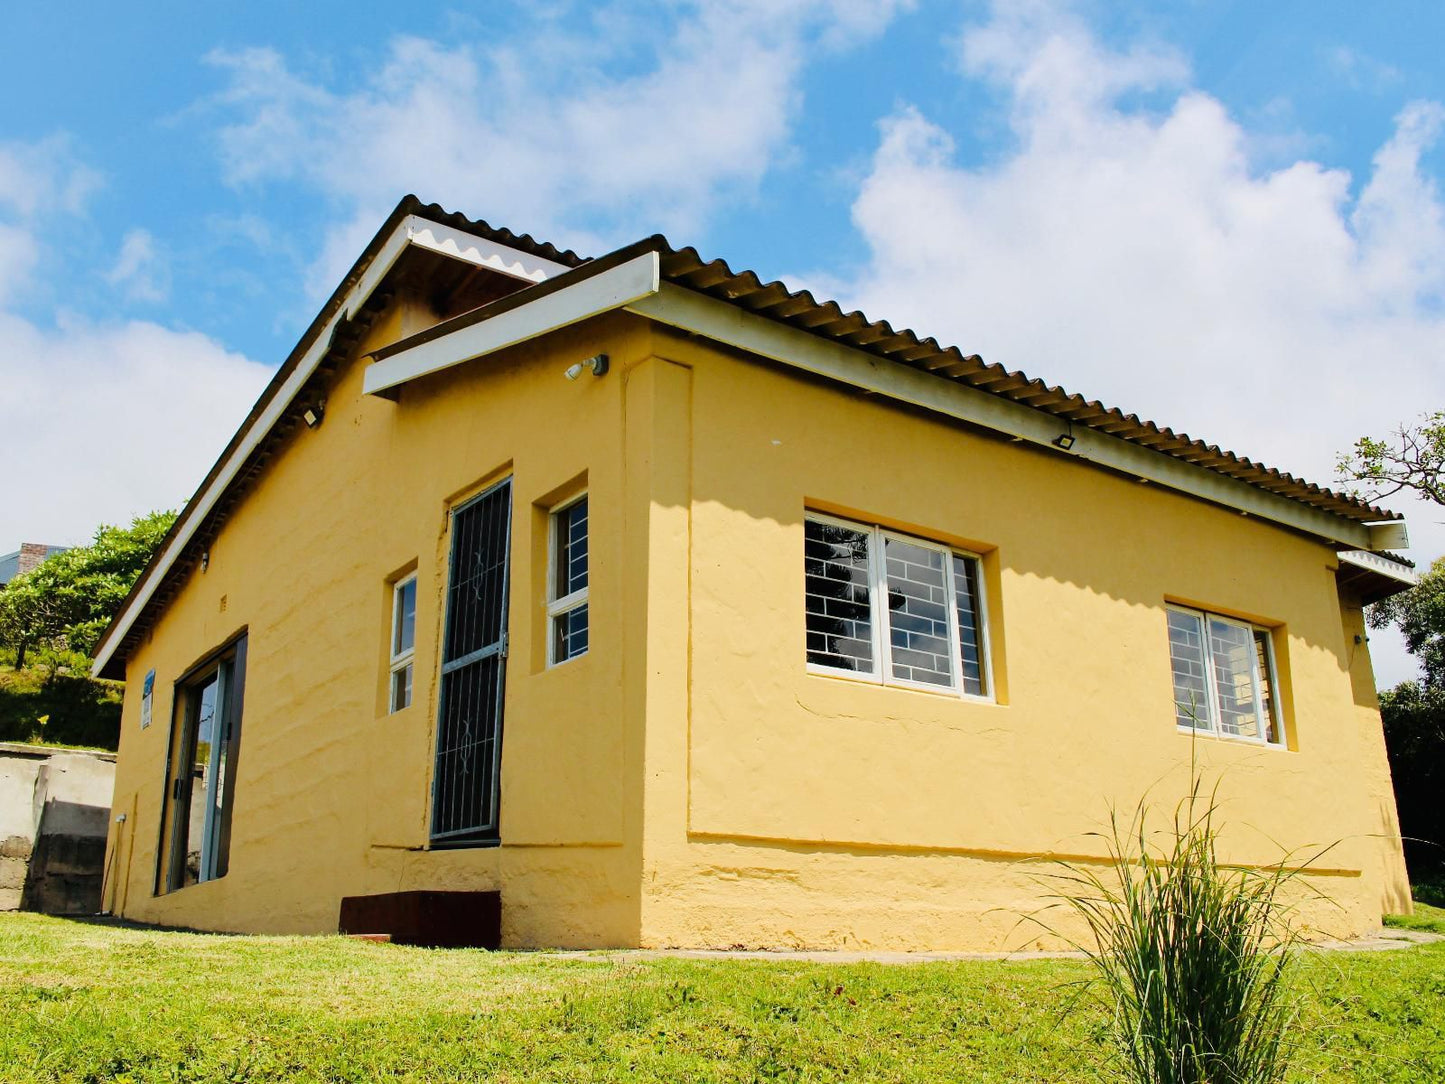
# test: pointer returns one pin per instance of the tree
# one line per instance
(1411, 460)
(66, 602)
(1414, 716)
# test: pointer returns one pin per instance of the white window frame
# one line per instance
(561, 607)
(1211, 708)
(882, 672)
(400, 660)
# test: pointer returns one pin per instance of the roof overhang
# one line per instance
(630, 281)
(1375, 576)
(406, 229)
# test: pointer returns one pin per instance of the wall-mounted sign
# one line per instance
(147, 690)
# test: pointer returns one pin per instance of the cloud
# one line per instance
(110, 420)
(140, 268)
(628, 124)
(38, 182)
(1362, 71)
(99, 421)
(41, 177)
(1128, 246)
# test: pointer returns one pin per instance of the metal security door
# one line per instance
(465, 788)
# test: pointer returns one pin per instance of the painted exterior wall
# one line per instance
(687, 782)
(332, 791)
(791, 808)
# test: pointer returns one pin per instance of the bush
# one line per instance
(1191, 961)
(1413, 714)
(58, 708)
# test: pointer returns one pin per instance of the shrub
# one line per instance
(1191, 960)
(62, 709)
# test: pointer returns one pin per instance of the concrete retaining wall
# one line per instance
(54, 811)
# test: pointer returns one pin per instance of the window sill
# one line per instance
(462, 844)
(575, 658)
(907, 687)
(1191, 732)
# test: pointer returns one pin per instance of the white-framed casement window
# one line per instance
(567, 582)
(893, 609)
(1224, 676)
(403, 641)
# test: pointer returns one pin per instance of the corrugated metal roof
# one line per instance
(800, 309)
(772, 300)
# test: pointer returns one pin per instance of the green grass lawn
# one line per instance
(84, 1002)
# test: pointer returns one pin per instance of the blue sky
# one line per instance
(1224, 216)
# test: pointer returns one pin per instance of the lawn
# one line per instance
(85, 1002)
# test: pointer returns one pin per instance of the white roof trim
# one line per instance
(424, 233)
(1379, 562)
(413, 230)
(614, 288)
(635, 287)
(722, 322)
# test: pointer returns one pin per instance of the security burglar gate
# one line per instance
(466, 785)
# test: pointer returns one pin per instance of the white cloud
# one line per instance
(41, 177)
(139, 268)
(38, 181)
(104, 422)
(585, 138)
(1142, 256)
(1362, 71)
(98, 421)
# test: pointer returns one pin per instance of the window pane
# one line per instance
(405, 635)
(401, 688)
(1186, 654)
(839, 613)
(970, 624)
(1232, 648)
(569, 634)
(1266, 686)
(202, 784)
(570, 560)
(918, 613)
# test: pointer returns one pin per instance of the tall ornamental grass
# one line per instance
(1192, 960)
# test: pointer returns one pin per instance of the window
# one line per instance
(201, 771)
(403, 641)
(893, 609)
(567, 583)
(1224, 680)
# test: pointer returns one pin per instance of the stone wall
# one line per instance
(54, 811)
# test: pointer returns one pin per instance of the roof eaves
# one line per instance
(800, 309)
(164, 561)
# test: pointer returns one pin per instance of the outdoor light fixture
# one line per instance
(314, 414)
(597, 363)
(1064, 441)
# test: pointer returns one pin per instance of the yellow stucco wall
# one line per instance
(687, 782)
(332, 792)
(791, 808)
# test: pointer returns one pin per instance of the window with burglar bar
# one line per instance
(893, 609)
(1224, 677)
(567, 582)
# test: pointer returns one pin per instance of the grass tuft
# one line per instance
(1191, 960)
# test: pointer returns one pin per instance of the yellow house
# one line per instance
(665, 607)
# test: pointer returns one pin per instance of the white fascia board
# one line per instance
(460, 245)
(611, 289)
(1378, 562)
(412, 230)
(726, 323)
